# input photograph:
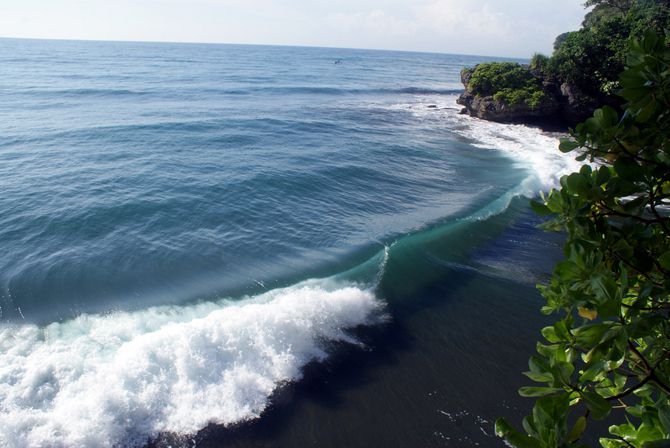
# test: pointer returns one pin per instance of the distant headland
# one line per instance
(580, 76)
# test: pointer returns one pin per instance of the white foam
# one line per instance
(530, 147)
(120, 379)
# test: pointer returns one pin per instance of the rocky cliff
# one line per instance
(559, 105)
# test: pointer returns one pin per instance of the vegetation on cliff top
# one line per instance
(608, 354)
(593, 57)
(583, 71)
(507, 82)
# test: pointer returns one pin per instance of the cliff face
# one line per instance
(575, 105)
(561, 106)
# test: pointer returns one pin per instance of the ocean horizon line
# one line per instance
(266, 45)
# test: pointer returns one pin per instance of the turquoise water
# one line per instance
(194, 225)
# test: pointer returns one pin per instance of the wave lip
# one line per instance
(122, 379)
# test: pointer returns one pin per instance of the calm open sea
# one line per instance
(260, 246)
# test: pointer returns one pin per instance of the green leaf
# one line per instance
(657, 444)
(577, 430)
(538, 391)
(628, 169)
(664, 415)
(635, 205)
(620, 381)
(664, 260)
(529, 426)
(603, 175)
(625, 431)
(605, 288)
(540, 377)
(646, 112)
(610, 443)
(590, 335)
(539, 370)
(540, 208)
(598, 406)
(609, 308)
(568, 145)
(563, 372)
(513, 437)
(610, 116)
(562, 330)
(649, 431)
(577, 183)
(550, 335)
(595, 371)
(606, 117)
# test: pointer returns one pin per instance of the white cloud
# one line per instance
(376, 22)
(454, 17)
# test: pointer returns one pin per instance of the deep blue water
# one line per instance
(165, 206)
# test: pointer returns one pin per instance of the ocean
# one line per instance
(228, 245)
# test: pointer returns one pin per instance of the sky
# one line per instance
(515, 28)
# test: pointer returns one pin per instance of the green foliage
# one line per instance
(589, 60)
(508, 82)
(559, 40)
(539, 63)
(593, 57)
(489, 78)
(608, 354)
(618, 6)
(531, 96)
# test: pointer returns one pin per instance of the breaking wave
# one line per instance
(122, 379)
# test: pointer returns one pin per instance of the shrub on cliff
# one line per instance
(608, 354)
(508, 82)
(539, 63)
(592, 58)
(582, 73)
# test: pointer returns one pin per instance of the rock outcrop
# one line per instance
(489, 108)
(562, 106)
(575, 105)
